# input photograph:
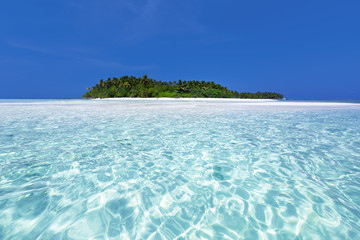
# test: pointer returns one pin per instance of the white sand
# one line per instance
(254, 102)
(230, 104)
(217, 104)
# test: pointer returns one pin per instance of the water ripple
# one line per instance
(145, 170)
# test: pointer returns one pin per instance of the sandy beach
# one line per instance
(237, 103)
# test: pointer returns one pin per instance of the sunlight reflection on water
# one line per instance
(191, 169)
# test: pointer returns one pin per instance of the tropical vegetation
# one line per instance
(130, 86)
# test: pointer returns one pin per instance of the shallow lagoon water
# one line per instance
(179, 169)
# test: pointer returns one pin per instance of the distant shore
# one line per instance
(235, 101)
(191, 99)
(143, 87)
(191, 102)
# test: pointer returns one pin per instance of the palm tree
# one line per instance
(145, 80)
(102, 84)
(127, 85)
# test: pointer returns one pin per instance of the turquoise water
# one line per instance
(179, 169)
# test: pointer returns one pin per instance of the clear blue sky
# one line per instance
(303, 49)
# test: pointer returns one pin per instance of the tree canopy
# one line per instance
(144, 86)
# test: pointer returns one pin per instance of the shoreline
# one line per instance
(234, 101)
(188, 99)
(187, 102)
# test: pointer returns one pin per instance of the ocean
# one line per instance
(179, 169)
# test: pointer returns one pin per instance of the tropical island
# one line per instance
(144, 86)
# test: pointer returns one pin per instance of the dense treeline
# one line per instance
(146, 87)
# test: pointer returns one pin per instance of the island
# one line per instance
(145, 87)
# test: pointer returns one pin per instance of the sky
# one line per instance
(302, 49)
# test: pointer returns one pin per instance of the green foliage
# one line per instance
(126, 86)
